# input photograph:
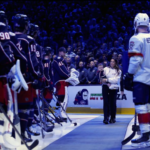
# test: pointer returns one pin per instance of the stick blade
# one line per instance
(129, 138)
(34, 144)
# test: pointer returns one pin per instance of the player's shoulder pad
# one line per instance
(136, 38)
(29, 37)
(2, 24)
(12, 34)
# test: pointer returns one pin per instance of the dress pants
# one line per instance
(109, 104)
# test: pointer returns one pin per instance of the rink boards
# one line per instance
(89, 99)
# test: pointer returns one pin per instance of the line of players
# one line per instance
(36, 66)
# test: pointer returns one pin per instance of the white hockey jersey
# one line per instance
(139, 53)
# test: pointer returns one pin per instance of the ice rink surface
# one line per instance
(60, 131)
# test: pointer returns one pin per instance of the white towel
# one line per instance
(73, 79)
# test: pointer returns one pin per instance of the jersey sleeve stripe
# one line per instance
(135, 54)
(5, 53)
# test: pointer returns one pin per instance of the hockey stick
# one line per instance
(134, 129)
(16, 118)
(75, 124)
(38, 106)
(9, 141)
(33, 145)
(44, 117)
(57, 119)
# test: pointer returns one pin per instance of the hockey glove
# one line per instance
(128, 81)
(50, 86)
(39, 84)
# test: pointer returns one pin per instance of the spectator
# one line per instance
(115, 55)
(100, 73)
(119, 59)
(96, 63)
(70, 53)
(105, 63)
(91, 74)
(83, 73)
(76, 62)
(120, 40)
(69, 64)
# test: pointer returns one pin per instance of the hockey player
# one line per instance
(32, 126)
(6, 61)
(60, 75)
(34, 31)
(137, 78)
(47, 92)
(30, 69)
(47, 55)
(13, 42)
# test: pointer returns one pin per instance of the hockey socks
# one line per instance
(148, 106)
(31, 117)
(23, 114)
(143, 117)
(1, 128)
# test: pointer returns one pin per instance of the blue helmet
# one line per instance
(3, 17)
(20, 21)
(48, 50)
(33, 29)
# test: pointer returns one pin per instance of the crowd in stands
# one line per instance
(92, 32)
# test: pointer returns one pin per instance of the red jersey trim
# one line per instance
(135, 54)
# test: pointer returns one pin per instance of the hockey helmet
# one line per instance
(20, 21)
(33, 29)
(141, 19)
(48, 50)
(3, 17)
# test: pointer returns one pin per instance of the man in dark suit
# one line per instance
(91, 74)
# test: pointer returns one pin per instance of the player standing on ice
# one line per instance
(60, 75)
(7, 60)
(34, 32)
(138, 76)
(47, 92)
(62, 78)
(30, 70)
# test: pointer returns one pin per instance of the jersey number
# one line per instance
(61, 64)
(33, 48)
(4, 36)
(37, 54)
(19, 46)
(46, 65)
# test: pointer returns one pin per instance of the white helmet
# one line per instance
(141, 19)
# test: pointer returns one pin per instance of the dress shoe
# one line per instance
(112, 120)
(105, 121)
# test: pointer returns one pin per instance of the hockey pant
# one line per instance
(48, 97)
(25, 102)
